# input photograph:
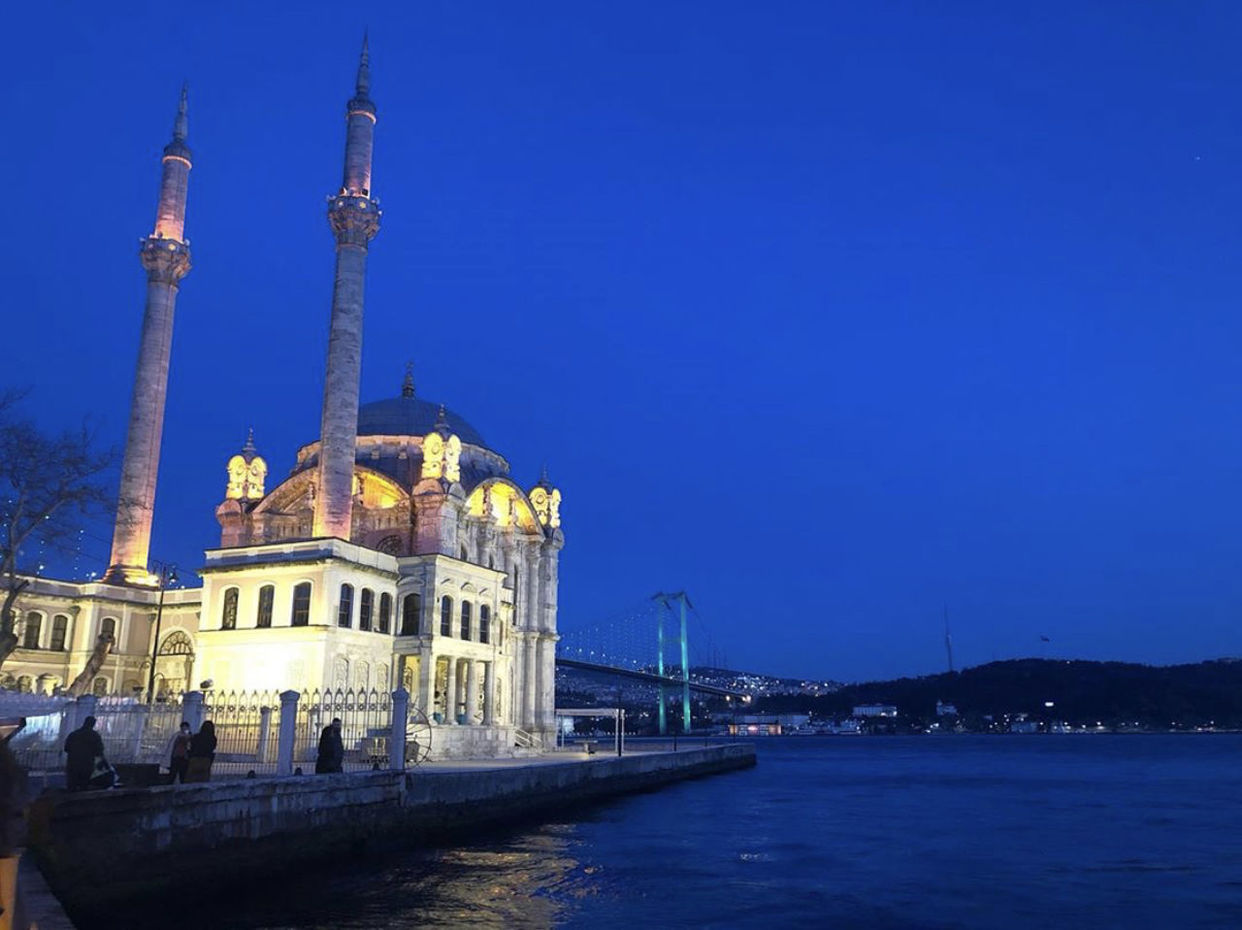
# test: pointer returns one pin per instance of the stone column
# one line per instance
(546, 691)
(472, 691)
(400, 718)
(489, 693)
(192, 710)
(355, 218)
(165, 255)
(288, 732)
(265, 734)
(529, 682)
(450, 692)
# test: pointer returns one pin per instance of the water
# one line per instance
(876, 832)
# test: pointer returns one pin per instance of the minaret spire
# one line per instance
(355, 218)
(165, 254)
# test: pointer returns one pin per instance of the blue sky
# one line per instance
(829, 313)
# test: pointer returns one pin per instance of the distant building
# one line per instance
(945, 710)
(875, 710)
(767, 724)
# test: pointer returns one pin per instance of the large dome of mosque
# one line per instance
(409, 415)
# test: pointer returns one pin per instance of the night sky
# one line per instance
(828, 313)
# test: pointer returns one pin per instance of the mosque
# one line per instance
(399, 551)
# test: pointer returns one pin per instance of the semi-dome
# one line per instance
(409, 415)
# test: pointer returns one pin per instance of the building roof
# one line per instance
(412, 416)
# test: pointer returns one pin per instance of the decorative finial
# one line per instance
(407, 386)
(181, 128)
(363, 87)
(442, 424)
(544, 480)
(249, 446)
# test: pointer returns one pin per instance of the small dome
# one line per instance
(411, 416)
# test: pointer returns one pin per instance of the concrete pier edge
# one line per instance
(102, 850)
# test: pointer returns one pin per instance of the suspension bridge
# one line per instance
(638, 644)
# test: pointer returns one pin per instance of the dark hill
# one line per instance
(1114, 693)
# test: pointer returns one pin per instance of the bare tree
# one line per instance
(50, 485)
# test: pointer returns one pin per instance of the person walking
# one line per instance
(180, 759)
(82, 748)
(331, 750)
(202, 753)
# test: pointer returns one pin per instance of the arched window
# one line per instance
(107, 627)
(385, 616)
(485, 623)
(411, 607)
(267, 595)
(446, 616)
(465, 619)
(345, 612)
(100, 687)
(301, 605)
(25, 684)
(60, 631)
(228, 614)
(464, 556)
(365, 605)
(177, 643)
(34, 626)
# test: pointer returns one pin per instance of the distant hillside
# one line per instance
(1113, 693)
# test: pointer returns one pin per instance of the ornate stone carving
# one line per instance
(354, 219)
(166, 260)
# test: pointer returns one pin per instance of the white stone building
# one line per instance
(398, 552)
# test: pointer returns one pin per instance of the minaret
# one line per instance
(354, 217)
(165, 255)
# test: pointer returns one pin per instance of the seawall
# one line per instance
(101, 848)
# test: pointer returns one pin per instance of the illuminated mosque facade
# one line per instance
(398, 552)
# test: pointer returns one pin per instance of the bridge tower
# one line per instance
(683, 601)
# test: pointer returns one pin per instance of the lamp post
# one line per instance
(168, 575)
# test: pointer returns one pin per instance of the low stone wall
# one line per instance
(104, 847)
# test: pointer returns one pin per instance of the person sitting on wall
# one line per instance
(331, 750)
(202, 752)
(82, 748)
(179, 760)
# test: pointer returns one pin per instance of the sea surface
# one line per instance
(878, 832)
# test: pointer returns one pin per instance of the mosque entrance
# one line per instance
(174, 664)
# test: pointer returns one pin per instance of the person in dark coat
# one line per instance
(81, 749)
(179, 761)
(331, 750)
(202, 752)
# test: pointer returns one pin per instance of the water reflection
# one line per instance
(525, 879)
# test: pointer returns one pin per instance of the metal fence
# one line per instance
(247, 724)
(366, 721)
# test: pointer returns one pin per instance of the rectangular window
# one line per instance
(365, 605)
(345, 613)
(267, 594)
(485, 623)
(60, 629)
(301, 605)
(411, 607)
(385, 617)
(465, 619)
(228, 619)
(34, 625)
(446, 616)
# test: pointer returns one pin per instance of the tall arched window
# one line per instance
(60, 631)
(107, 627)
(267, 595)
(385, 615)
(365, 605)
(34, 626)
(228, 616)
(485, 623)
(411, 607)
(465, 619)
(446, 616)
(301, 605)
(345, 612)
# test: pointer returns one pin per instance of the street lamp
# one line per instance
(167, 573)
